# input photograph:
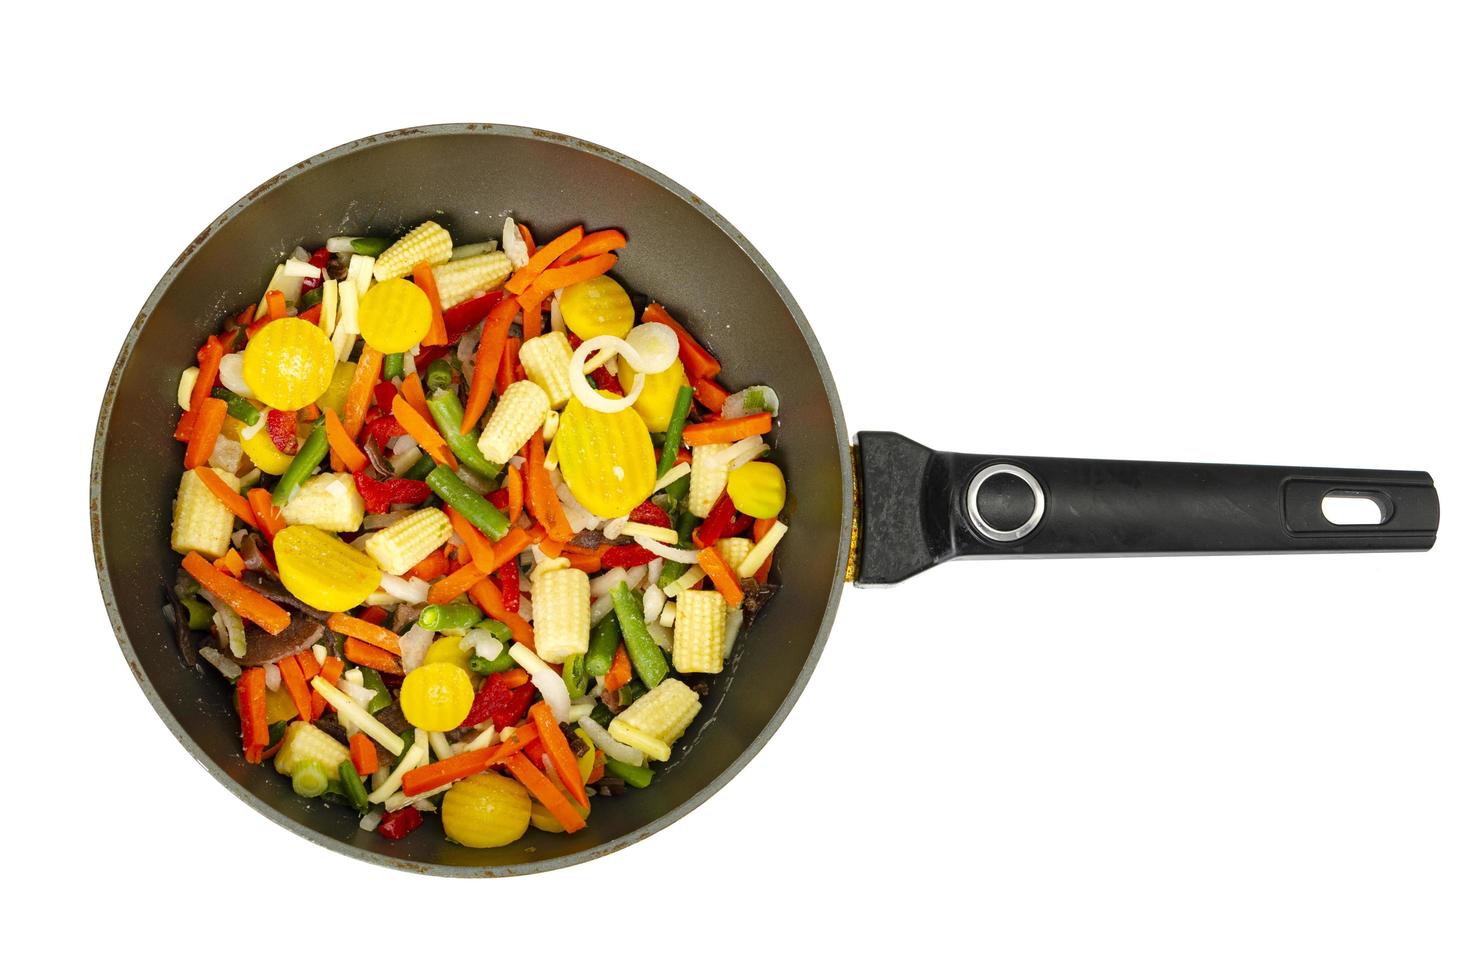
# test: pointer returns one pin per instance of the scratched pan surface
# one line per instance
(468, 178)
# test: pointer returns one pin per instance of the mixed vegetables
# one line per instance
(456, 559)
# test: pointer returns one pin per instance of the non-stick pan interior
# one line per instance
(468, 178)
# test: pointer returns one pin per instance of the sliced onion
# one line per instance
(672, 554)
(656, 345)
(751, 401)
(550, 684)
(607, 581)
(273, 676)
(603, 740)
(221, 662)
(652, 603)
(589, 396)
(233, 377)
(407, 590)
(402, 444)
(514, 245)
(557, 319)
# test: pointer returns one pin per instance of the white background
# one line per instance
(1158, 232)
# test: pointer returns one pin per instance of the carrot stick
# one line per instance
(543, 790)
(416, 396)
(479, 546)
(508, 364)
(425, 434)
(269, 518)
(757, 531)
(333, 667)
(454, 585)
(542, 259)
(208, 421)
(566, 766)
(277, 305)
(343, 446)
(429, 777)
(307, 664)
(590, 564)
(357, 651)
(515, 677)
(184, 427)
(595, 243)
(357, 402)
(514, 483)
(620, 673)
(727, 430)
(487, 596)
(598, 770)
(421, 274)
(528, 238)
(544, 504)
(550, 547)
(722, 575)
(512, 543)
(368, 632)
(234, 501)
(697, 362)
(429, 567)
(487, 364)
(559, 278)
(297, 686)
(254, 707)
(209, 359)
(362, 754)
(231, 563)
(244, 600)
(709, 394)
(531, 313)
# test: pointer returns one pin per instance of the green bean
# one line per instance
(447, 412)
(574, 673)
(603, 646)
(373, 682)
(647, 659)
(672, 570)
(602, 715)
(675, 429)
(465, 500)
(237, 406)
(200, 613)
(635, 776)
(439, 374)
(452, 616)
(354, 789)
(275, 732)
(312, 298)
(392, 367)
(499, 630)
(481, 665)
(420, 468)
(370, 246)
(314, 449)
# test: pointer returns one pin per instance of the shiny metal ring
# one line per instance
(980, 523)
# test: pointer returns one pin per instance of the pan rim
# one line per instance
(166, 714)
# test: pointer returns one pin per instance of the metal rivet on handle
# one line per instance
(973, 507)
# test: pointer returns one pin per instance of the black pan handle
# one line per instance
(919, 507)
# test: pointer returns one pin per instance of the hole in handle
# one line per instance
(1348, 508)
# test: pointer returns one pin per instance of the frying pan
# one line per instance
(876, 513)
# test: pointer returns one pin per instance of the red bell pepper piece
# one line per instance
(399, 824)
(499, 498)
(383, 429)
(380, 494)
(499, 703)
(385, 393)
(282, 429)
(508, 584)
(606, 381)
(626, 556)
(466, 315)
(713, 528)
(428, 355)
(648, 512)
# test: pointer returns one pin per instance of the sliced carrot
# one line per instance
(231, 563)
(542, 259)
(184, 427)
(309, 413)
(727, 430)
(277, 305)
(357, 651)
(429, 777)
(531, 313)
(357, 402)
(508, 365)
(597, 242)
(297, 686)
(620, 673)
(559, 278)
(307, 664)
(429, 567)
(208, 419)
(253, 694)
(454, 585)
(333, 667)
(346, 625)
(416, 396)
(545, 791)
(234, 501)
(550, 547)
(515, 541)
(425, 434)
(209, 358)
(487, 596)
(544, 504)
(709, 394)
(342, 445)
(269, 520)
(590, 564)
(757, 531)
(244, 600)
(488, 363)
(528, 238)
(515, 677)
(566, 766)
(514, 483)
(598, 770)
(722, 575)
(421, 274)
(362, 753)
(478, 546)
(697, 362)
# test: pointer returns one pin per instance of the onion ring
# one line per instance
(581, 388)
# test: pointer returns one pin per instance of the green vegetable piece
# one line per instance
(421, 468)
(630, 692)
(675, 429)
(487, 518)
(672, 570)
(312, 298)
(481, 665)
(603, 646)
(498, 629)
(276, 731)
(237, 406)
(602, 715)
(638, 777)
(393, 366)
(447, 412)
(439, 374)
(310, 780)
(452, 616)
(574, 673)
(354, 788)
(647, 659)
(370, 246)
(374, 682)
(200, 612)
(312, 453)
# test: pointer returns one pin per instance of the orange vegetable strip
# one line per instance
(512, 543)
(757, 531)
(515, 677)
(307, 664)
(508, 364)
(234, 501)
(566, 766)
(357, 651)
(487, 596)
(362, 754)
(209, 359)
(598, 770)
(425, 434)
(709, 394)
(697, 362)
(203, 437)
(727, 430)
(416, 396)
(368, 632)
(550, 547)
(357, 402)
(254, 706)
(621, 670)
(333, 667)
(590, 564)
(277, 306)
(487, 364)
(559, 278)
(544, 504)
(454, 585)
(309, 412)
(722, 575)
(184, 427)
(430, 567)
(532, 315)
(543, 790)
(595, 243)
(244, 600)
(231, 563)
(479, 546)
(269, 520)
(421, 274)
(528, 238)
(341, 444)
(542, 259)
(514, 483)
(297, 687)
(435, 774)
